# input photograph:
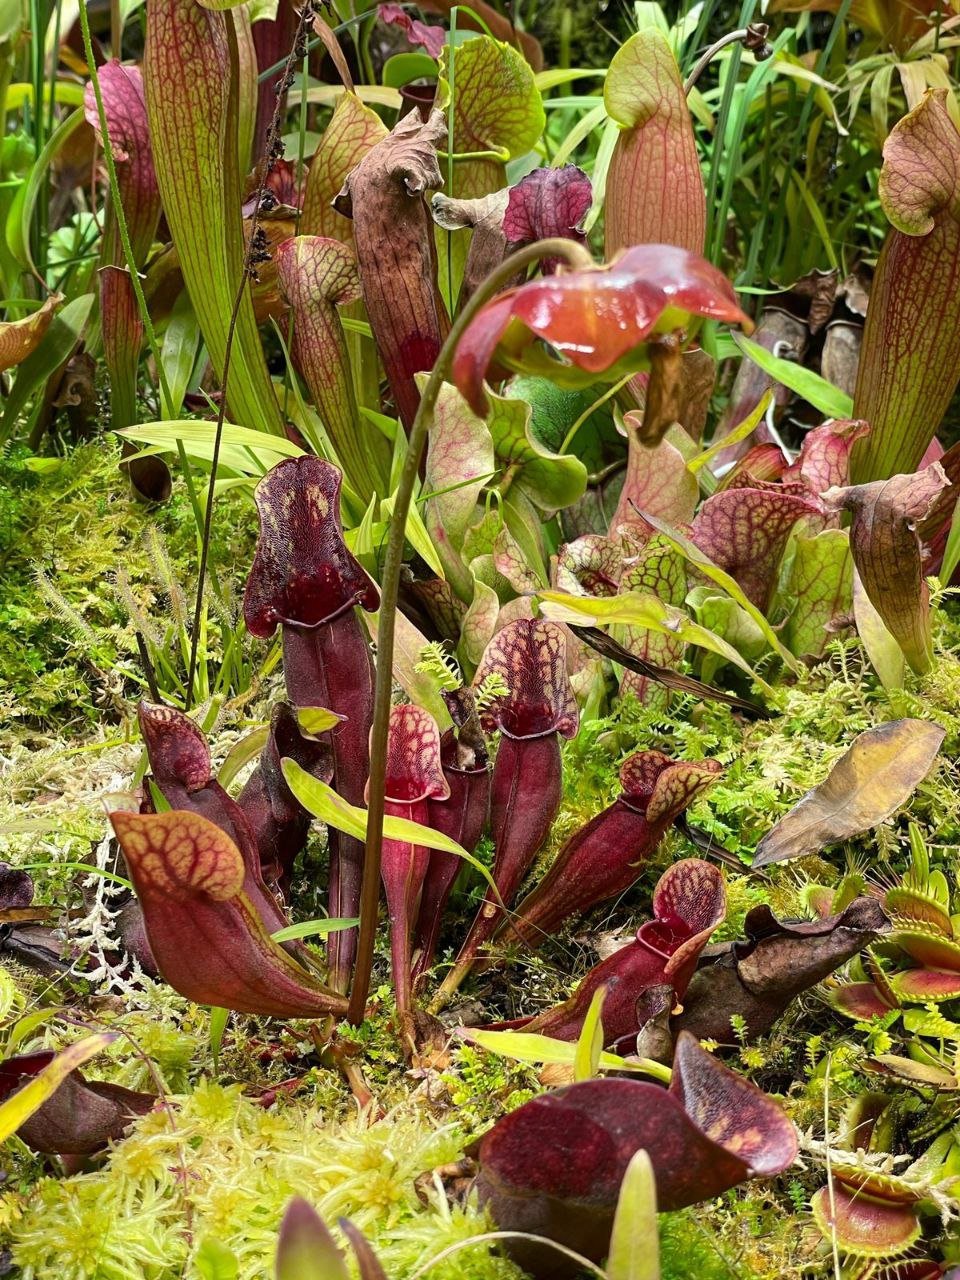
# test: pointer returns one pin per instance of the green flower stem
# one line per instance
(118, 211)
(752, 37)
(576, 257)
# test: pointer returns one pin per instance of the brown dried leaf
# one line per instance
(867, 784)
(488, 244)
(19, 338)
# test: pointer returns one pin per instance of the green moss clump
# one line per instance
(68, 526)
(484, 1086)
(214, 1164)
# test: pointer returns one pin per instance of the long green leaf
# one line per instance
(247, 452)
(181, 342)
(823, 395)
(526, 1046)
(634, 1240)
(218, 1024)
(324, 803)
(586, 1060)
(643, 609)
(312, 929)
(21, 1106)
(739, 432)
(241, 753)
(22, 212)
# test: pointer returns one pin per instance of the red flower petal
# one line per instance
(430, 38)
(596, 317)
(475, 351)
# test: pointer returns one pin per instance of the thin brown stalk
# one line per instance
(575, 256)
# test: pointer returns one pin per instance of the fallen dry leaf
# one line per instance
(869, 782)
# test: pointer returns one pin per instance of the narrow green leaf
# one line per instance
(823, 395)
(21, 1106)
(178, 355)
(22, 212)
(248, 452)
(739, 432)
(85, 867)
(643, 609)
(159, 801)
(218, 1024)
(324, 803)
(586, 1060)
(416, 534)
(951, 554)
(24, 1028)
(526, 1046)
(312, 929)
(241, 753)
(634, 1241)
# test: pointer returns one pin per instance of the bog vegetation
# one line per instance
(480, 662)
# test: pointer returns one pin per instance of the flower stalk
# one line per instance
(577, 257)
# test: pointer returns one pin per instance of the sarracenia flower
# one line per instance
(598, 319)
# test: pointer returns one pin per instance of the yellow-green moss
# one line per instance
(217, 1165)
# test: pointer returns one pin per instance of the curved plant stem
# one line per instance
(249, 261)
(576, 257)
(118, 210)
(752, 37)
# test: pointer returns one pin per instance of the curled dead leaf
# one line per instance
(867, 784)
(18, 338)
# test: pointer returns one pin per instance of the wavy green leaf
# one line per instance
(823, 395)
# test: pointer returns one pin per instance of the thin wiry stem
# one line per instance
(252, 255)
(574, 255)
(752, 37)
(117, 205)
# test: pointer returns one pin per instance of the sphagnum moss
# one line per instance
(224, 1167)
